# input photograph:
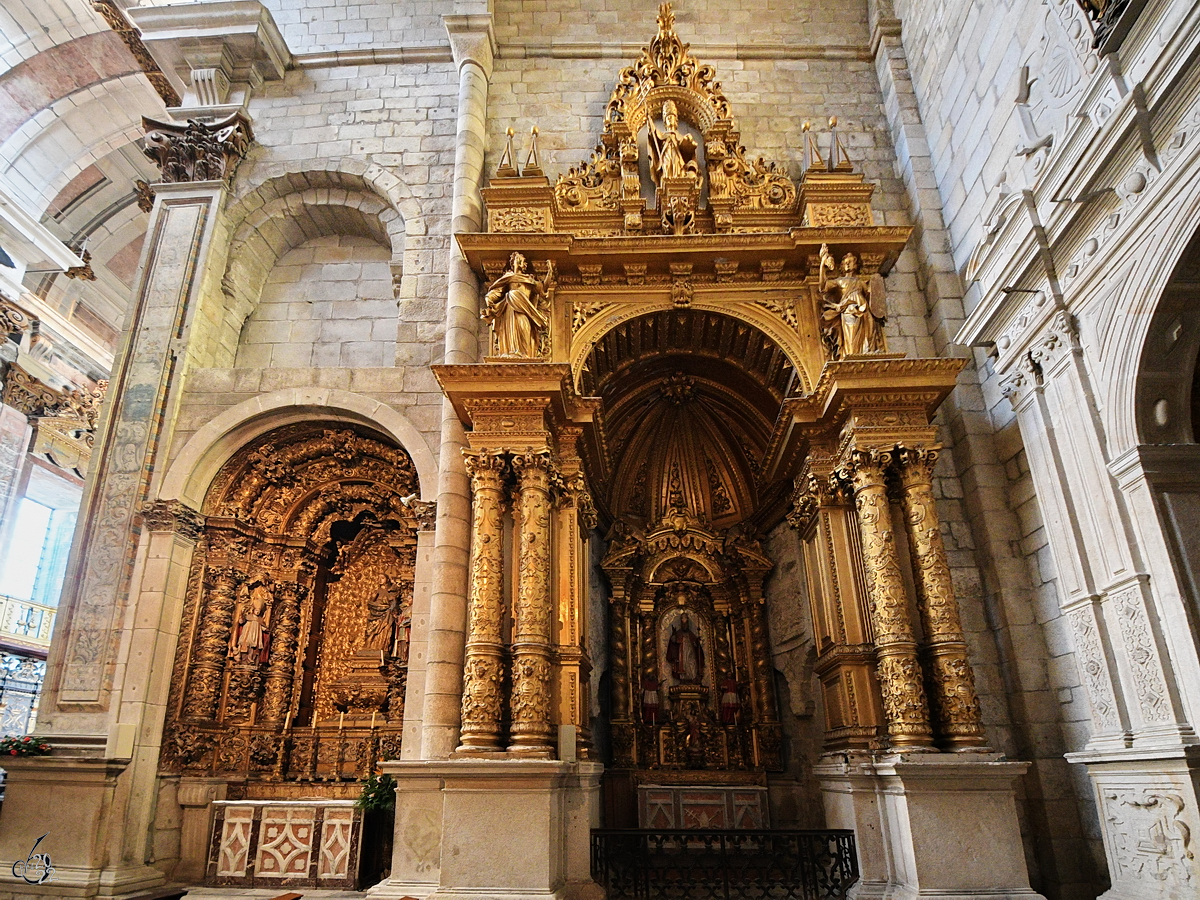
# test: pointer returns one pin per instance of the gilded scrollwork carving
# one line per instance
(595, 184)
(13, 320)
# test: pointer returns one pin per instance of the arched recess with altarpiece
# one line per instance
(290, 673)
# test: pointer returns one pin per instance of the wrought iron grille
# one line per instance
(724, 865)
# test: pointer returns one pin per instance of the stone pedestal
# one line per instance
(195, 800)
(929, 824)
(505, 829)
(1148, 803)
(72, 801)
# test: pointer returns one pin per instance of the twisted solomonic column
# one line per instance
(905, 707)
(481, 697)
(532, 614)
(281, 665)
(212, 647)
(955, 705)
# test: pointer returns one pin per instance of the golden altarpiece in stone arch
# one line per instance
(685, 374)
(290, 672)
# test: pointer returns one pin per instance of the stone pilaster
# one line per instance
(905, 707)
(956, 715)
(532, 612)
(471, 42)
(481, 700)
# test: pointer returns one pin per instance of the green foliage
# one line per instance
(378, 792)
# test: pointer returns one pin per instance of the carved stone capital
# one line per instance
(198, 151)
(173, 516)
(13, 320)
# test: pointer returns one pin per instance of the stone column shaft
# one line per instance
(905, 706)
(533, 611)
(956, 711)
(481, 699)
(447, 616)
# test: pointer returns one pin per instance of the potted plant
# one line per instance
(378, 803)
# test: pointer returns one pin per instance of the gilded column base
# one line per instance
(531, 734)
(956, 714)
(482, 701)
(904, 702)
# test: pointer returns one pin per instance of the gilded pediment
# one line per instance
(705, 181)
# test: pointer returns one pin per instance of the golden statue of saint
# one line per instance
(513, 307)
(855, 307)
(672, 155)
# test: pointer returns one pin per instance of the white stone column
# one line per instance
(1135, 652)
(472, 43)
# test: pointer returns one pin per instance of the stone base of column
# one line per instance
(1149, 805)
(70, 800)
(506, 829)
(938, 825)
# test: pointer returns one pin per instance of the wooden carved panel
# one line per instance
(293, 649)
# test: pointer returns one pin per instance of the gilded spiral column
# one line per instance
(212, 646)
(281, 666)
(956, 715)
(905, 706)
(481, 697)
(532, 614)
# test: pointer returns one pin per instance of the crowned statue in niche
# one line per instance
(672, 154)
(855, 307)
(515, 306)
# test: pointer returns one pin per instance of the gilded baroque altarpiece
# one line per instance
(683, 364)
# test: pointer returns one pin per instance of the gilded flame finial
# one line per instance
(666, 18)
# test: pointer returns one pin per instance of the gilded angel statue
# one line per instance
(516, 308)
(855, 307)
(672, 155)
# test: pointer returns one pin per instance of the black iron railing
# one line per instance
(724, 865)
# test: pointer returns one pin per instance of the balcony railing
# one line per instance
(724, 865)
(25, 624)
